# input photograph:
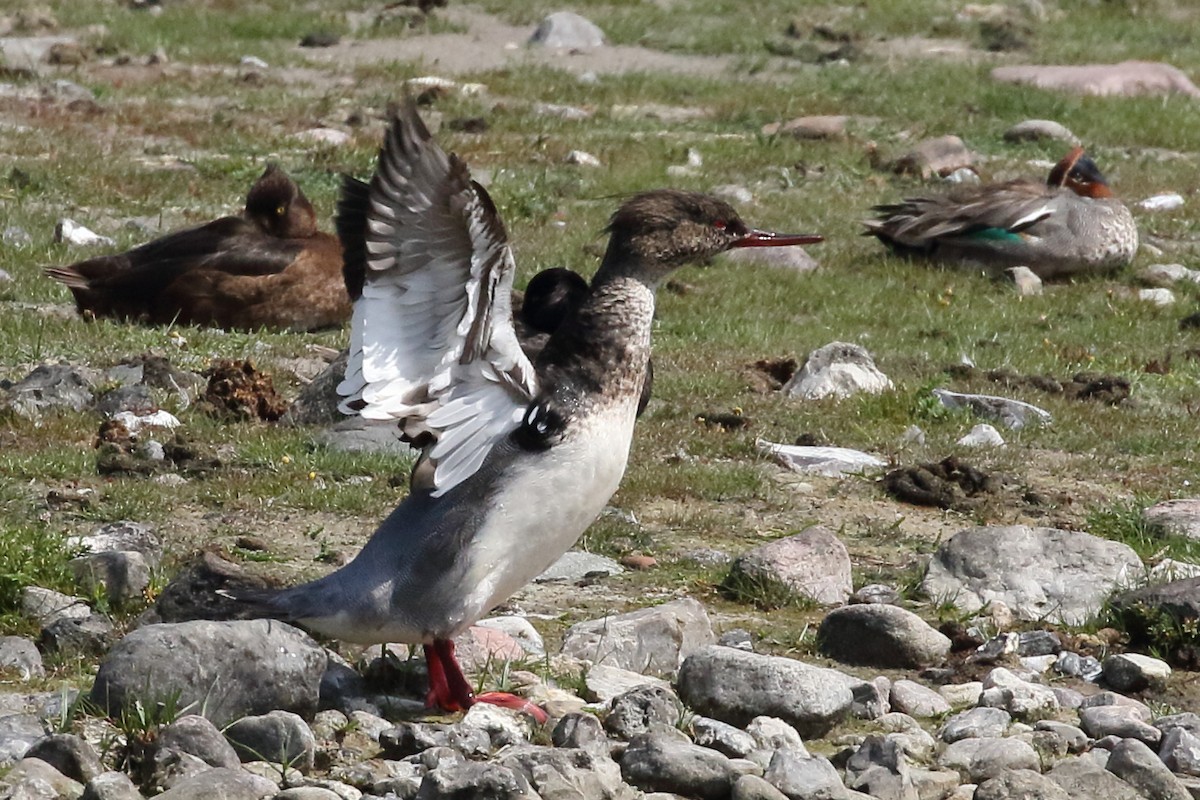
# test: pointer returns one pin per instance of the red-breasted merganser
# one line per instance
(433, 347)
(267, 268)
(1069, 225)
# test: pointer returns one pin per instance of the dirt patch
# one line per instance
(1113, 390)
(770, 374)
(237, 389)
(950, 483)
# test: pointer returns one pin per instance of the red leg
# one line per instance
(439, 695)
(464, 697)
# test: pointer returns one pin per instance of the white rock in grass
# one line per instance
(71, 232)
(982, 435)
(1026, 280)
(1168, 201)
(582, 159)
(1158, 297)
(565, 30)
(328, 136)
(828, 461)
(838, 369)
(1015, 414)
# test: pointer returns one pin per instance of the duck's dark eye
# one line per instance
(719, 224)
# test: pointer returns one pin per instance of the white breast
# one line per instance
(550, 499)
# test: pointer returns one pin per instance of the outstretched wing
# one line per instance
(1002, 211)
(432, 341)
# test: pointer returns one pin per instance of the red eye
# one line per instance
(719, 224)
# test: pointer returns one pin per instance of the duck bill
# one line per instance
(756, 238)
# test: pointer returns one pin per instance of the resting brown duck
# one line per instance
(267, 268)
(1069, 225)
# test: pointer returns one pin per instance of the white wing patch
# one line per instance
(432, 343)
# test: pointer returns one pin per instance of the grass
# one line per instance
(690, 487)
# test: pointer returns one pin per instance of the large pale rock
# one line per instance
(227, 784)
(280, 737)
(1180, 517)
(978, 760)
(34, 779)
(658, 763)
(735, 687)
(227, 669)
(881, 636)
(1136, 764)
(1083, 777)
(1033, 130)
(567, 30)
(1064, 576)
(652, 640)
(812, 563)
(1020, 784)
(197, 736)
(910, 697)
(1013, 414)
(839, 369)
(804, 777)
(568, 773)
(1124, 79)
(828, 461)
(1132, 672)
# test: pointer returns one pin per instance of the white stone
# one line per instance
(1015, 414)
(961, 695)
(828, 461)
(582, 159)
(982, 435)
(253, 62)
(157, 419)
(1158, 297)
(1169, 201)
(838, 369)
(1166, 274)
(329, 136)
(604, 681)
(1026, 280)
(71, 232)
(520, 629)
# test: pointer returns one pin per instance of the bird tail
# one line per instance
(69, 277)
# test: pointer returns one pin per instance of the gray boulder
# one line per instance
(1083, 777)
(638, 710)
(34, 779)
(735, 687)
(812, 564)
(227, 669)
(69, 754)
(227, 784)
(1180, 751)
(21, 655)
(197, 736)
(881, 636)
(121, 575)
(802, 777)
(122, 536)
(1139, 766)
(50, 387)
(976, 723)
(977, 760)
(557, 773)
(1039, 573)
(722, 737)
(18, 732)
(656, 763)
(653, 640)
(1125, 721)
(565, 30)
(916, 700)
(1179, 517)
(463, 781)
(1132, 672)
(1020, 784)
(279, 737)
(111, 786)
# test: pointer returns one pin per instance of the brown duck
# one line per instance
(267, 268)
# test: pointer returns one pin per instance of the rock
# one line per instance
(279, 737)
(880, 636)
(575, 565)
(582, 159)
(796, 259)
(1180, 751)
(258, 665)
(69, 754)
(479, 648)
(1022, 699)
(1040, 573)
(977, 723)
(1038, 643)
(752, 787)
(566, 30)
(1021, 784)
(803, 778)
(34, 779)
(1073, 664)
(1082, 777)
(46, 606)
(69, 231)
(771, 734)
(827, 126)
(21, 655)
(91, 635)
(1188, 721)
(839, 369)
(880, 769)
(605, 682)
(1177, 517)
(978, 760)
(1165, 275)
(120, 575)
(330, 137)
(410, 738)
(654, 640)
(959, 695)
(579, 730)
(982, 435)
(941, 155)
(735, 687)
(1131, 672)
(503, 727)
(1168, 201)
(635, 712)
(1038, 130)
(658, 763)
(1074, 740)
(1136, 764)
(471, 780)
(871, 698)
(197, 736)
(1178, 600)
(1014, 414)
(49, 387)
(1158, 297)
(1028, 282)
(565, 774)
(18, 732)
(723, 737)
(110, 786)
(916, 700)
(227, 784)
(875, 593)
(829, 461)
(1119, 720)
(812, 564)
(1124, 79)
